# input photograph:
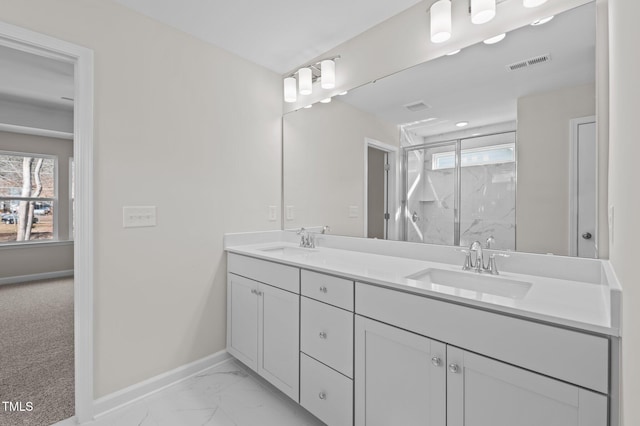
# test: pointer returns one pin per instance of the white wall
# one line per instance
(324, 164)
(623, 189)
(42, 258)
(543, 166)
(191, 129)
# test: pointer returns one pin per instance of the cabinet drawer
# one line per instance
(275, 274)
(572, 356)
(327, 394)
(326, 288)
(326, 333)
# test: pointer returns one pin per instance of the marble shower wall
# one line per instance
(487, 206)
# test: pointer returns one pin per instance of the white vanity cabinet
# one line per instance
(263, 320)
(425, 379)
(326, 345)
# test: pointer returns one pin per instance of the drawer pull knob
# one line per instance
(436, 361)
(323, 289)
(323, 335)
(454, 368)
(322, 396)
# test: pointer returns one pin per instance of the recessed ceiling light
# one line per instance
(462, 123)
(343, 93)
(454, 52)
(308, 106)
(542, 21)
(325, 101)
(496, 39)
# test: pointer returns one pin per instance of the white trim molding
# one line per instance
(131, 394)
(36, 277)
(12, 128)
(82, 58)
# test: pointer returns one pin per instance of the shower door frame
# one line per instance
(457, 178)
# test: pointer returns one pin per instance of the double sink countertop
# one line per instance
(587, 306)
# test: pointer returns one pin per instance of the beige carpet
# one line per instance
(36, 352)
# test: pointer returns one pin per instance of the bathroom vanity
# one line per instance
(362, 332)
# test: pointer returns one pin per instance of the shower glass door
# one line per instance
(431, 201)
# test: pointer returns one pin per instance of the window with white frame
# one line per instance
(495, 154)
(28, 197)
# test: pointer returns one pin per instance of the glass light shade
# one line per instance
(305, 84)
(496, 39)
(290, 90)
(440, 21)
(328, 74)
(533, 3)
(325, 101)
(482, 11)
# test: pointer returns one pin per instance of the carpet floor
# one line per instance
(36, 352)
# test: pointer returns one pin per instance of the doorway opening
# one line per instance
(381, 211)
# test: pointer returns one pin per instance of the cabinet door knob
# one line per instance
(323, 289)
(454, 368)
(322, 395)
(254, 291)
(436, 361)
(323, 335)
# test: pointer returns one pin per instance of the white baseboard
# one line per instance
(131, 394)
(36, 277)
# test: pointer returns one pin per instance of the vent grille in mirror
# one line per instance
(529, 62)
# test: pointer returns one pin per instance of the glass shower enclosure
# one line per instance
(461, 190)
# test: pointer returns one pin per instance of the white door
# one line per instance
(586, 190)
(278, 339)
(482, 392)
(399, 377)
(242, 329)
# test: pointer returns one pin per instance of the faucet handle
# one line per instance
(467, 260)
(301, 231)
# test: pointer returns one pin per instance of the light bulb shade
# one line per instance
(305, 83)
(328, 74)
(482, 11)
(440, 21)
(290, 90)
(533, 3)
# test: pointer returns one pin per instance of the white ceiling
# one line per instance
(277, 34)
(27, 77)
(475, 85)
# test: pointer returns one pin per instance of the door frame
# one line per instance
(392, 187)
(82, 58)
(574, 125)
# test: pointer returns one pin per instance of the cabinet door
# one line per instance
(279, 339)
(399, 377)
(482, 391)
(242, 319)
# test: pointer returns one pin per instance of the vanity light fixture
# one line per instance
(496, 39)
(533, 3)
(455, 52)
(325, 101)
(308, 106)
(343, 93)
(482, 11)
(305, 82)
(462, 123)
(323, 71)
(328, 74)
(440, 17)
(542, 21)
(290, 89)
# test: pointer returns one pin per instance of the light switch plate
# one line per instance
(138, 216)
(273, 213)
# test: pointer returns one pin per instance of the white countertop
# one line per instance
(575, 304)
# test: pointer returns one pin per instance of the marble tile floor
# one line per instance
(224, 395)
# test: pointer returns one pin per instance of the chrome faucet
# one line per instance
(478, 265)
(307, 240)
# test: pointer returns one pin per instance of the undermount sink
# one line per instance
(287, 251)
(489, 284)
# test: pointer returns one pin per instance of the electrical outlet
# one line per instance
(353, 211)
(290, 213)
(138, 216)
(273, 213)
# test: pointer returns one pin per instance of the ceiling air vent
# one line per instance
(417, 106)
(529, 62)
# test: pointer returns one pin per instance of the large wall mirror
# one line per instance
(497, 140)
